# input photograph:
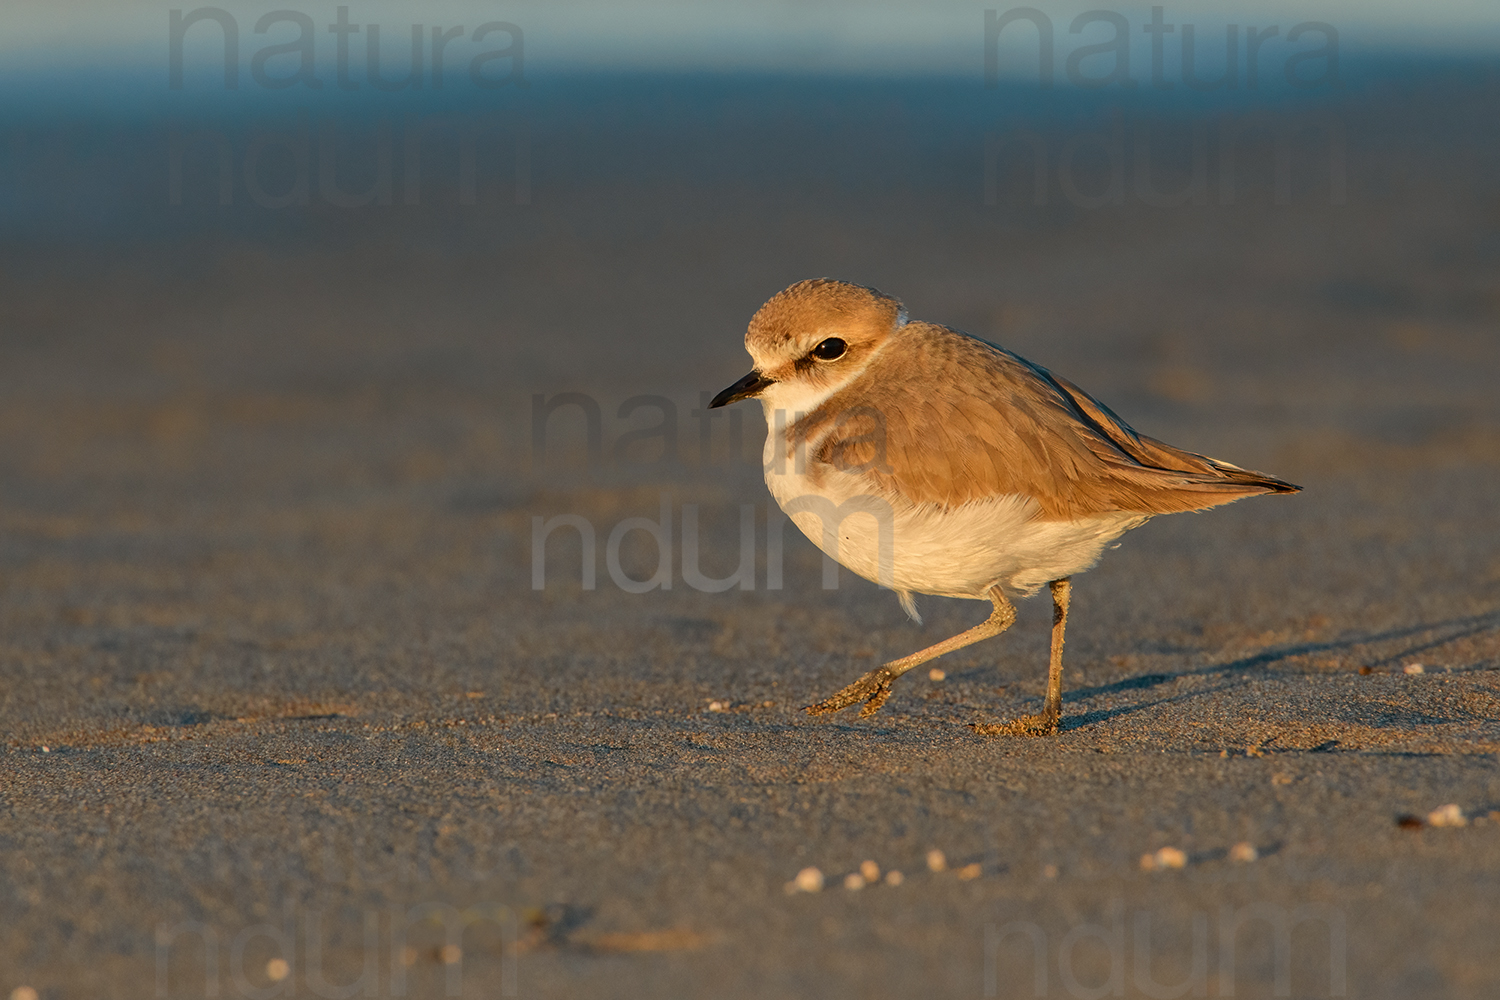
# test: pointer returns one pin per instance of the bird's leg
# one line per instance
(1044, 724)
(875, 687)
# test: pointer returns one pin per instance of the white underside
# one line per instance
(961, 551)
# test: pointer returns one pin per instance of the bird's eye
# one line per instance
(830, 349)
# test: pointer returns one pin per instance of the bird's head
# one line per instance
(811, 339)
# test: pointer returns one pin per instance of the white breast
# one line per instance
(960, 551)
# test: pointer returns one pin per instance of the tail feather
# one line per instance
(1157, 490)
(1157, 478)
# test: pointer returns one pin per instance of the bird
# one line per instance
(933, 462)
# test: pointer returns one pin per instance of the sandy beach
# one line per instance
(278, 683)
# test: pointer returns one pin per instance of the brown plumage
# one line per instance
(951, 466)
(998, 424)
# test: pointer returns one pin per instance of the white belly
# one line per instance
(928, 549)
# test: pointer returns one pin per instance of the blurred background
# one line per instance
(258, 261)
(307, 315)
(243, 260)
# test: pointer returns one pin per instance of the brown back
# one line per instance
(998, 424)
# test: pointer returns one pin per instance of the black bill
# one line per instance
(750, 385)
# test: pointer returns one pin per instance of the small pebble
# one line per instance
(277, 969)
(1412, 668)
(808, 880)
(870, 870)
(968, 872)
(1281, 779)
(716, 706)
(1244, 852)
(894, 878)
(1366, 671)
(854, 880)
(1448, 815)
(1167, 857)
(936, 861)
(936, 675)
(23, 993)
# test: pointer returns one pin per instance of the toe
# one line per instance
(872, 689)
(875, 701)
(1026, 725)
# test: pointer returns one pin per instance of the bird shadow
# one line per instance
(1450, 630)
(1455, 629)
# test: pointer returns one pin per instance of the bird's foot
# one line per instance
(872, 689)
(1042, 724)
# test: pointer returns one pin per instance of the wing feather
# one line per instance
(943, 418)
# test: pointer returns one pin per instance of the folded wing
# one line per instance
(943, 418)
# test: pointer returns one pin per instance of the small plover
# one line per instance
(935, 463)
